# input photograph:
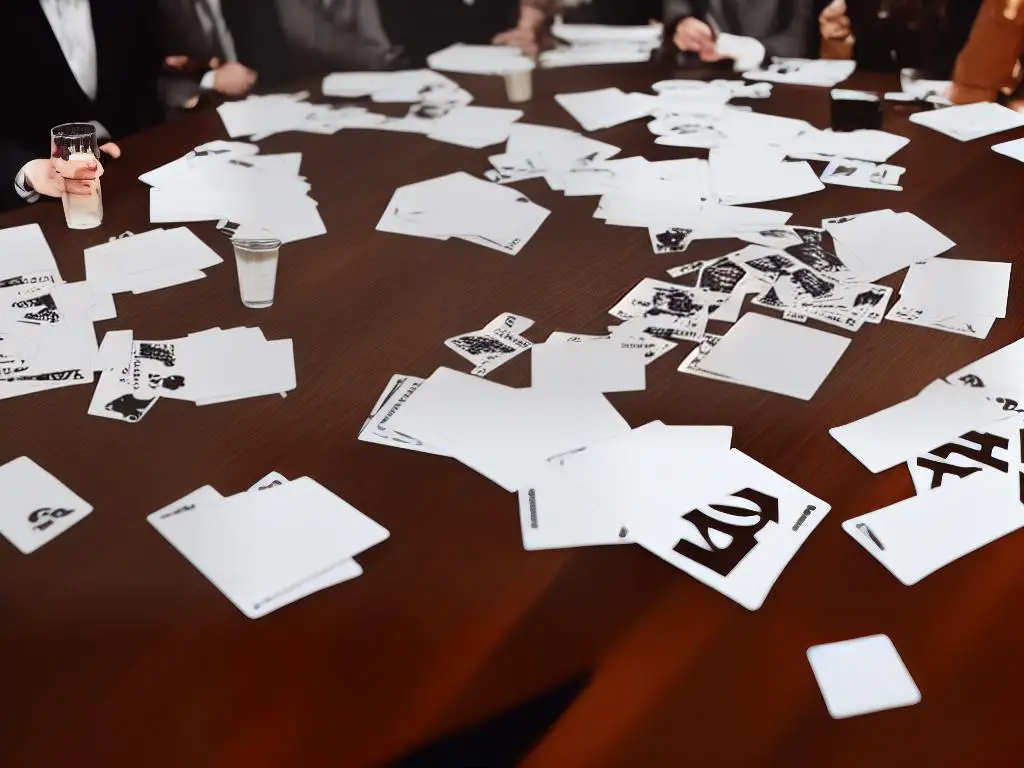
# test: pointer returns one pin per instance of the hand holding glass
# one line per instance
(75, 156)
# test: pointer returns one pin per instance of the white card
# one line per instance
(556, 513)
(959, 286)
(502, 432)
(257, 547)
(36, 507)
(857, 677)
(918, 536)
(970, 121)
(915, 426)
(1012, 149)
(775, 355)
(594, 366)
(992, 448)
(737, 532)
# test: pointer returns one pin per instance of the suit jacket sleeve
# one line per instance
(312, 30)
(12, 159)
(986, 64)
(794, 40)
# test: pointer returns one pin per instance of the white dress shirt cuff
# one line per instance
(21, 187)
(208, 80)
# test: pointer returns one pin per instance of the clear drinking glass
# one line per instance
(256, 260)
(74, 142)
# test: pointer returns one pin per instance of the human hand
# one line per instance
(694, 36)
(54, 177)
(525, 39)
(176, 62)
(833, 21)
(233, 79)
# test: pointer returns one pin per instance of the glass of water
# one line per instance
(256, 259)
(73, 143)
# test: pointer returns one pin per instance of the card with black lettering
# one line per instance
(734, 528)
(992, 448)
(35, 507)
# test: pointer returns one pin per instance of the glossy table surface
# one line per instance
(118, 653)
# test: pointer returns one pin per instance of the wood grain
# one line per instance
(118, 653)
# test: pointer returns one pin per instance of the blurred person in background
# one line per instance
(888, 35)
(339, 35)
(72, 61)
(990, 63)
(200, 53)
(781, 27)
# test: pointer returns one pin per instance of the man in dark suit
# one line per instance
(201, 50)
(71, 61)
(782, 27)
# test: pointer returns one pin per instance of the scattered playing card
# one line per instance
(744, 524)
(775, 355)
(37, 507)
(494, 344)
(603, 365)
(271, 545)
(859, 173)
(857, 677)
(993, 448)
(970, 121)
(918, 536)
(908, 429)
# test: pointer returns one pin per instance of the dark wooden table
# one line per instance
(116, 652)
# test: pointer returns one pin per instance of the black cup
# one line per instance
(856, 110)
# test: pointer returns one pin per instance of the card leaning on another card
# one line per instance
(35, 507)
(922, 534)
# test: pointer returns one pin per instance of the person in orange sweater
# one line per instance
(990, 63)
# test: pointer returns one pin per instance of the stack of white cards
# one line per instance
(465, 207)
(263, 116)
(585, 479)
(37, 507)
(230, 180)
(970, 121)
(954, 295)
(962, 444)
(275, 544)
(480, 60)
(600, 44)
(821, 72)
(501, 432)
(148, 261)
(810, 282)
(788, 269)
(213, 366)
(535, 151)
(47, 339)
(680, 493)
